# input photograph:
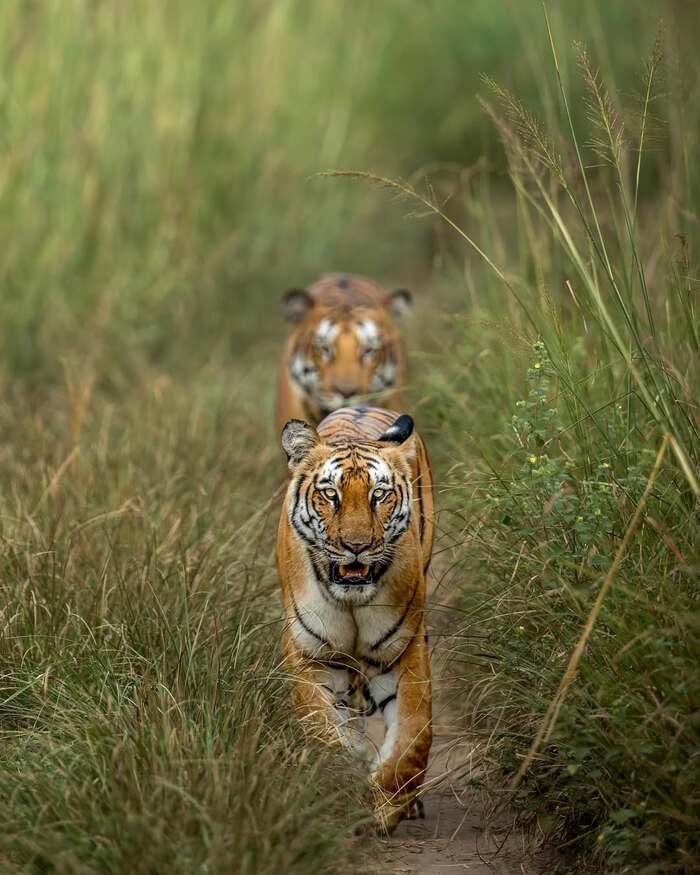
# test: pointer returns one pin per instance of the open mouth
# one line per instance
(352, 574)
(354, 569)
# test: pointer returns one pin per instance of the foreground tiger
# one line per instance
(345, 348)
(353, 547)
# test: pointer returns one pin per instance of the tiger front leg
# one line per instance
(405, 699)
(325, 699)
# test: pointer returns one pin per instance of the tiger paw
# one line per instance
(416, 810)
(389, 811)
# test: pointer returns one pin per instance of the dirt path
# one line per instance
(455, 836)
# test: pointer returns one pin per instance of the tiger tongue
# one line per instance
(354, 569)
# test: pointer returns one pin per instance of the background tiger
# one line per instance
(354, 543)
(345, 348)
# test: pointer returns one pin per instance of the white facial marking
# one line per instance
(384, 376)
(303, 372)
(326, 332)
(368, 334)
(309, 525)
(330, 472)
(380, 471)
(401, 517)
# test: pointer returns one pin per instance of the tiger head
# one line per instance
(346, 346)
(350, 504)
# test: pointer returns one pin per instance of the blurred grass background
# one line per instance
(157, 185)
(155, 158)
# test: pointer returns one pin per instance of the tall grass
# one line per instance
(145, 720)
(589, 692)
(158, 190)
(155, 162)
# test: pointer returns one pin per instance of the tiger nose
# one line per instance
(356, 547)
(345, 390)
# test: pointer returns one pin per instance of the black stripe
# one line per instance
(295, 506)
(341, 457)
(375, 663)
(303, 503)
(401, 489)
(369, 698)
(393, 662)
(395, 628)
(382, 705)
(421, 522)
(394, 538)
(304, 626)
(303, 511)
(295, 499)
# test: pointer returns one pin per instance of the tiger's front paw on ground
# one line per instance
(389, 811)
(417, 810)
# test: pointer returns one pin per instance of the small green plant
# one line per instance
(553, 494)
(156, 198)
(574, 476)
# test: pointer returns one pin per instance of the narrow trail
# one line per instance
(456, 835)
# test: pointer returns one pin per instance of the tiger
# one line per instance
(354, 544)
(345, 348)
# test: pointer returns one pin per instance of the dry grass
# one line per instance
(156, 200)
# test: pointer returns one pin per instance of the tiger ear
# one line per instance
(400, 435)
(298, 439)
(399, 303)
(296, 303)
(399, 431)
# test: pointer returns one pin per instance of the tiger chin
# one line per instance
(354, 543)
(345, 348)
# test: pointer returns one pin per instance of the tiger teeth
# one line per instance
(353, 569)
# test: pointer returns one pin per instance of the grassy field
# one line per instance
(158, 188)
(568, 415)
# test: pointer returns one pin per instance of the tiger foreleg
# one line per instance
(403, 758)
(326, 702)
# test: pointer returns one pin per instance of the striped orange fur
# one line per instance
(345, 348)
(354, 543)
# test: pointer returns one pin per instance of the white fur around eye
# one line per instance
(326, 332)
(384, 377)
(330, 471)
(381, 473)
(368, 334)
(303, 372)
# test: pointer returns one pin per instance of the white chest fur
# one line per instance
(319, 625)
(377, 632)
(381, 636)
